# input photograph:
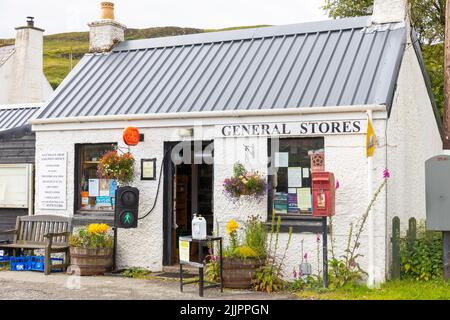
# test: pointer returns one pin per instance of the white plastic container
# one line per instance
(198, 227)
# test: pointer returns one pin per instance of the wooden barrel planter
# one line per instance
(90, 262)
(238, 273)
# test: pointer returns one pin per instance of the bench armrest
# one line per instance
(12, 231)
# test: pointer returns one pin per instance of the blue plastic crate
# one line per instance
(20, 263)
(4, 259)
(37, 263)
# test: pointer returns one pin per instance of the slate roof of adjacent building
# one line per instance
(17, 115)
(5, 53)
(326, 63)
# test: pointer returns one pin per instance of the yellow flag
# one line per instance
(371, 139)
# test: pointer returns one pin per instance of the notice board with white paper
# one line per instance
(51, 181)
(15, 185)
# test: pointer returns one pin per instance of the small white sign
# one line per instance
(294, 177)
(281, 159)
(52, 181)
(184, 250)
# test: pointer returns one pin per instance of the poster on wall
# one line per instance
(51, 181)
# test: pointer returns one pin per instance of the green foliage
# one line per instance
(407, 289)
(303, 283)
(269, 277)
(238, 169)
(138, 273)
(421, 259)
(256, 236)
(428, 19)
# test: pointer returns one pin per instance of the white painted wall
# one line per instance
(22, 79)
(103, 34)
(143, 246)
(413, 137)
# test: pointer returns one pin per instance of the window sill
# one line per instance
(299, 224)
(82, 218)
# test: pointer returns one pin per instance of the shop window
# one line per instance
(290, 176)
(93, 194)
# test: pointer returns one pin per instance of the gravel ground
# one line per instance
(37, 286)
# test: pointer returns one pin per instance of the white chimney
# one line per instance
(106, 32)
(389, 11)
(27, 83)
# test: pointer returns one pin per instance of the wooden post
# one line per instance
(396, 263)
(447, 78)
(446, 234)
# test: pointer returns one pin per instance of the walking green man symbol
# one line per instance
(127, 218)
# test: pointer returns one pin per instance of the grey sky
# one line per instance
(57, 16)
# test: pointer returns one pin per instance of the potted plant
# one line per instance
(91, 250)
(244, 183)
(119, 167)
(242, 258)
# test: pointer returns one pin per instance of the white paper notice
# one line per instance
(305, 173)
(51, 180)
(184, 250)
(104, 188)
(281, 159)
(304, 198)
(94, 187)
(295, 177)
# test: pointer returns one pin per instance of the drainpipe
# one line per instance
(371, 218)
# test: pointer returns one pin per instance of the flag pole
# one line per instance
(371, 219)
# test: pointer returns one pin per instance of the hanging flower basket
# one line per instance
(244, 183)
(115, 166)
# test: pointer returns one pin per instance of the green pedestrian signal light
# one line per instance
(127, 207)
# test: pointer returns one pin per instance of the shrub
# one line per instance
(245, 252)
(421, 259)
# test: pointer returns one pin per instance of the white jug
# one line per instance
(198, 228)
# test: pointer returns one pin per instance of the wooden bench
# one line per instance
(47, 232)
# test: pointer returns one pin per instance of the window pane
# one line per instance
(95, 194)
(291, 182)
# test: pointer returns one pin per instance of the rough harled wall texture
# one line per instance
(6, 73)
(413, 137)
(143, 246)
(387, 11)
(103, 34)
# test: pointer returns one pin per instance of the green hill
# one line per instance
(58, 48)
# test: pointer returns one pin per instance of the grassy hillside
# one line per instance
(58, 48)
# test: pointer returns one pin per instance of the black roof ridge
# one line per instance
(247, 33)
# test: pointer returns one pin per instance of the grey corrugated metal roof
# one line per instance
(326, 63)
(17, 115)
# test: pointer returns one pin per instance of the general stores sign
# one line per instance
(302, 128)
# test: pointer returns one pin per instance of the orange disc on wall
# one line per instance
(131, 136)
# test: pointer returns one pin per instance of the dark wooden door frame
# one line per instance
(169, 170)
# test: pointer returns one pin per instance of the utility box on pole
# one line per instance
(437, 177)
(437, 182)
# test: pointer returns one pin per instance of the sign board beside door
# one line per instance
(52, 181)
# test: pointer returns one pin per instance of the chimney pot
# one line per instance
(30, 21)
(107, 10)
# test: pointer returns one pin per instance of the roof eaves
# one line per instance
(418, 51)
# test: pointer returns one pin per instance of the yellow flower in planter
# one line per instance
(96, 228)
(232, 226)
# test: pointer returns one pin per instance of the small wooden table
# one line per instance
(200, 265)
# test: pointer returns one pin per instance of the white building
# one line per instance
(310, 85)
(23, 89)
(22, 78)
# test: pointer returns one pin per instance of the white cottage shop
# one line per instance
(229, 96)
